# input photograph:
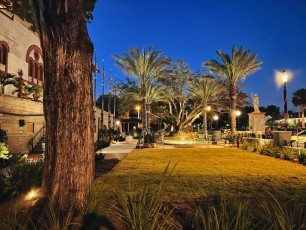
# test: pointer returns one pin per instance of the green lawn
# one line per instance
(204, 172)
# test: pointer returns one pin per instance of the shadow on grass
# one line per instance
(96, 222)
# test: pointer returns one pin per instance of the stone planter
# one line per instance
(146, 145)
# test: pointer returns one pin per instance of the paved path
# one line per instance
(119, 150)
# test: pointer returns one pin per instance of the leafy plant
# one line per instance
(149, 138)
(19, 178)
(4, 152)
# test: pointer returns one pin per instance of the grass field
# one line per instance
(204, 173)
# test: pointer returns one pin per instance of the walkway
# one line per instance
(119, 150)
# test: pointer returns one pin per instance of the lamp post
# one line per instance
(216, 118)
(238, 113)
(285, 79)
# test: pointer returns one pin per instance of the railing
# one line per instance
(36, 138)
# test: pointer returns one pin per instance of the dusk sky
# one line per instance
(193, 30)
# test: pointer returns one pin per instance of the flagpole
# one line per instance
(95, 81)
(102, 106)
(109, 101)
(115, 91)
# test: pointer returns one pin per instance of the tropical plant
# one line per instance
(299, 100)
(4, 152)
(207, 90)
(7, 79)
(234, 69)
(37, 92)
(24, 91)
(144, 65)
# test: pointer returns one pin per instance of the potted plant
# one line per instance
(149, 141)
(201, 134)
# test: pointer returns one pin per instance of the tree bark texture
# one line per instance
(233, 99)
(205, 124)
(68, 106)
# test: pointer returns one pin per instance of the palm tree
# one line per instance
(299, 100)
(154, 93)
(144, 65)
(207, 90)
(7, 79)
(234, 69)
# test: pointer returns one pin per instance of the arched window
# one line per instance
(35, 75)
(4, 50)
(30, 68)
(35, 67)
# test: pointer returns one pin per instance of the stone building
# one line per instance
(21, 55)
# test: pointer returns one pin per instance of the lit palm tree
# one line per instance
(207, 90)
(144, 65)
(154, 93)
(7, 79)
(299, 100)
(234, 69)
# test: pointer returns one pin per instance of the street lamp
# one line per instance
(285, 79)
(138, 109)
(216, 118)
(238, 113)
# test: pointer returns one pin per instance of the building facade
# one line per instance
(21, 55)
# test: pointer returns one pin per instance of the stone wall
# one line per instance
(21, 119)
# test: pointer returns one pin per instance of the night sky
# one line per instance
(193, 30)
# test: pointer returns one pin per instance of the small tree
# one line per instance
(299, 100)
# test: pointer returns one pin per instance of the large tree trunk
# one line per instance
(233, 97)
(68, 107)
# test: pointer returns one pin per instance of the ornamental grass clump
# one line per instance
(144, 208)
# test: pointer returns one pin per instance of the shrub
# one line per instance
(19, 178)
(101, 145)
(4, 152)
(302, 157)
(121, 138)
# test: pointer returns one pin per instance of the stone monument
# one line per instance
(257, 118)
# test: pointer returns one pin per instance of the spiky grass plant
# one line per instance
(282, 215)
(231, 213)
(144, 209)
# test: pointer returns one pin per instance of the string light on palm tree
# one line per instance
(238, 113)
(138, 110)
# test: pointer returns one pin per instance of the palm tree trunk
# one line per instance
(149, 118)
(205, 123)
(2, 90)
(68, 105)
(303, 119)
(233, 97)
(144, 108)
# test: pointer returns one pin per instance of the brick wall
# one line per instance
(13, 111)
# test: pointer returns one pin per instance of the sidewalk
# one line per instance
(119, 150)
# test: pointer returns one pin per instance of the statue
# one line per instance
(256, 103)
